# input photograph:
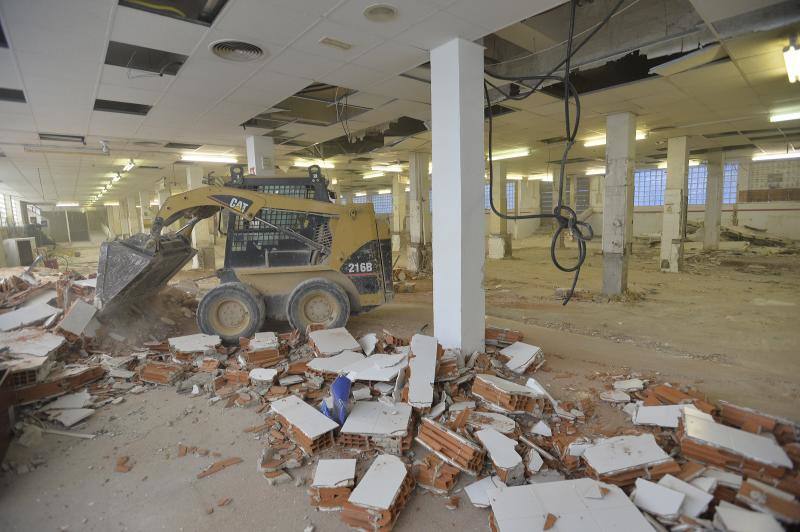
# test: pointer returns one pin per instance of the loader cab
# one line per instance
(254, 244)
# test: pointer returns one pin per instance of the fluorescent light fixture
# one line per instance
(385, 191)
(334, 181)
(305, 163)
(784, 117)
(154, 203)
(408, 189)
(600, 141)
(514, 177)
(596, 171)
(130, 165)
(67, 204)
(510, 154)
(777, 156)
(791, 56)
(116, 178)
(208, 158)
(111, 204)
(540, 177)
(373, 175)
(387, 168)
(360, 194)
(692, 162)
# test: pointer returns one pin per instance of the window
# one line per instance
(648, 187)
(3, 212)
(510, 196)
(698, 178)
(382, 203)
(730, 177)
(15, 211)
(360, 199)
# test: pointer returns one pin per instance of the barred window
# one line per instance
(382, 203)
(648, 187)
(3, 212)
(510, 196)
(360, 199)
(730, 178)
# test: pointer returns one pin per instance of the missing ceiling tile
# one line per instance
(202, 12)
(127, 108)
(144, 59)
(181, 146)
(58, 137)
(12, 95)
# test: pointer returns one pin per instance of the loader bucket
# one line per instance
(128, 271)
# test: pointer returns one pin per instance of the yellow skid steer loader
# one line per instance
(291, 254)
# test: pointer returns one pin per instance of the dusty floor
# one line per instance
(728, 326)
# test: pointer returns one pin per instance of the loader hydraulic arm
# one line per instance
(204, 202)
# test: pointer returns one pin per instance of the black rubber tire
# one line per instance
(318, 289)
(250, 305)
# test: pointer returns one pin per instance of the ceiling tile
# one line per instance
(499, 13)
(127, 94)
(440, 28)
(295, 62)
(17, 121)
(365, 99)
(259, 18)
(393, 57)
(409, 12)
(360, 41)
(353, 77)
(134, 26)
(14, 108)
(401, 87)
(49, 67)
(8, 70)
(113, 125)
(114, 75)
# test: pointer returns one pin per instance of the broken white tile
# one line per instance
(305, 417)
(535, 462)
(288, 380)
(499, 422)
(696, 501)
(263, 375)
(661, 416)
(195, 343)
(759, 448)
(501, 449)
(78, 318)
(336, 363)
(264, 340)
(478, 490)
(657, 500)
(330, 342)
(730, 518)
(86, 283)
(462, 405)
(30, 315)
(631, 408)
(525, 508)
(73, 416)
(521, 356)
(629, 385)
(368, 343)
(422, 369)
(120, 373)
(546, 475)
(334, 473)
(437, 410)
(615, 396)
(380, 484)
(80, 399)
(512, 387)
(383, 388)
(542, 429)
(32, 342)
(578, 446)
(378, 367)
(360, 392)
(375, 418)
(707, 484)
(624, 452)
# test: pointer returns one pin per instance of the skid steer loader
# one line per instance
(291, 254)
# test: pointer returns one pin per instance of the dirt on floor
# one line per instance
(727, 326)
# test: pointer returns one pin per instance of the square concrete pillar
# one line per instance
(618, 201)
(144, 204)
(398, 211)
(419, 221)
(459, 222)
(132, 215)
(673, 227)
(201, 235)
(260, 155)
(713, 214)
(499, 239)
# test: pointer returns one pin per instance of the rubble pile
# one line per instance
(378, 417)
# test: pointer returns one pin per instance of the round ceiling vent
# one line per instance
(380, 13)
(238, 51)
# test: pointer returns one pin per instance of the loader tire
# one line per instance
(231, 310)
(318, 301)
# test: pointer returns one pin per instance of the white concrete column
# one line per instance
(132, 215)
(162, 192)
(499, 239)
(673, 228)
(459, 222)
(201, 235)
(596, 192)
(713, 214)
(260, 155)
(418, 211)
(144, 204)
(398, 210)
(554, 185)
(618, 201)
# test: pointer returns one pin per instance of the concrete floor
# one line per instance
(728, 328)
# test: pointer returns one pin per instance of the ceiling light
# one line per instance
(373, 175)
(408, 189)
(791, 56)
(334, 181)
(387, 168)
(335, 43)
(692, 162)
(601, 141)
(130, 165)
(380, 13)
(154, 203)
(430, 167)
(596, 171)
(209, 158)
(784, 117)
(111, 203)
(360, 194)
(514, 177)
(305, 163)
(385, 191)
(67, 204)
(777, 156)
(540, 177)
(510, 154)
(116, 178)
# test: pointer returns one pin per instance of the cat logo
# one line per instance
(236, 203)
